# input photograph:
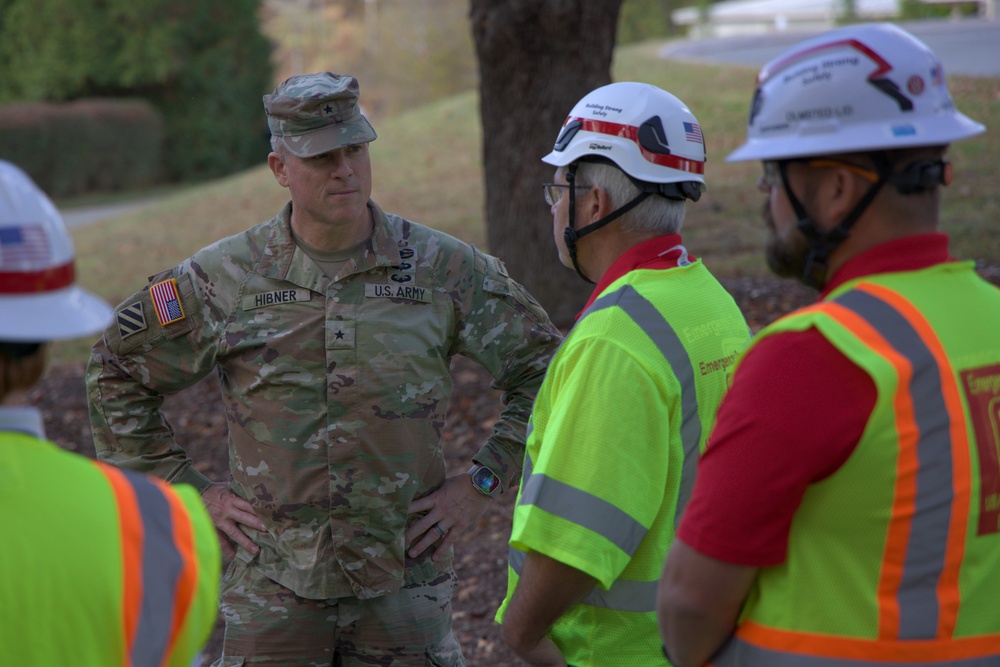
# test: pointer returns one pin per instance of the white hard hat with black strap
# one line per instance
(643, 130)
(870, 89)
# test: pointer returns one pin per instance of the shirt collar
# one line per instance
(23, 420)
(381, 249)
(909, 253)
(661, 252)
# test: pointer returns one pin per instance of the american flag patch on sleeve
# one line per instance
(166, 301)
(692, 132)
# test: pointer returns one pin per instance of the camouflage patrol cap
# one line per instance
(313, 114)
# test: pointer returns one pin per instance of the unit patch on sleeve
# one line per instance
(131, 320)
(166, 301)
(409, 292)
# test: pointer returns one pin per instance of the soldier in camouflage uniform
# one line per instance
(331, 328)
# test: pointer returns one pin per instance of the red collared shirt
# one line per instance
(662, 252)
(777, 431)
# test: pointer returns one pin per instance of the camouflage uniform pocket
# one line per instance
(446, 653)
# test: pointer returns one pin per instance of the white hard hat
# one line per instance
(865, 87)
(39, 300)
(650, 134)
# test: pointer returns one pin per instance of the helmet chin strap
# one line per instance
(571, 235)
(823, 243)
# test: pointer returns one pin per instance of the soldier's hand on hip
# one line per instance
(229, 512)
(451, 510)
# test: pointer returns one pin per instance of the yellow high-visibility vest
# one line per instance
(100, 567)
(895, 558)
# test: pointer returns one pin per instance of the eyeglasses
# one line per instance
(553, 191)
(772, 170)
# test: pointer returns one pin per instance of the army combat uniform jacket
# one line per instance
(335, 389)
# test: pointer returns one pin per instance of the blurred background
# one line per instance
(146, 115)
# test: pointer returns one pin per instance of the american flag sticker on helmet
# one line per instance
(166, 301)
(692, 132)
(131, 320)
(23, 245)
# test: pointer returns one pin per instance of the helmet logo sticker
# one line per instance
(915, 85)
(166, 301)
(131, 320)
(876, 78)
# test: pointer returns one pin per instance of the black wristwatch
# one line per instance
(484, 480)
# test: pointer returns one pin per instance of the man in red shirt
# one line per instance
(850, 444)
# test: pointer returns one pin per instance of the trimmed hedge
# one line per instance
(85, 146)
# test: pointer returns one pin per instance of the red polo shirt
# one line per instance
(778, 430)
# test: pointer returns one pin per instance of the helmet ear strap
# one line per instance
(823, 243)
(571, 234)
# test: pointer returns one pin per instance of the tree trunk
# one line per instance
(537, 59)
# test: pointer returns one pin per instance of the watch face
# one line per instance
(485, 481)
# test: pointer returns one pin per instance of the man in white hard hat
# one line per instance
(629, 399)
(846, 509)
(98, 567)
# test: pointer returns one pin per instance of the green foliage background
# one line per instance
(203, 65)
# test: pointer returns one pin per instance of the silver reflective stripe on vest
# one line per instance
(649, 319)
(925, 551)
(634, 596)
(738, 653)
(161, 569)
(581, 508)
(924, 560)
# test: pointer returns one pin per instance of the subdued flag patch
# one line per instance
(166, 301)
(131, 320)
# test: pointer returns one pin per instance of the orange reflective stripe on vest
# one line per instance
(159, 567)
(927, 529)
(758, 646)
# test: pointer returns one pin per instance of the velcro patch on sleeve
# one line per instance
(131, 320)
(166, 301)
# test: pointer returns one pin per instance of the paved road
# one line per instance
(969, 47)
(85, 215)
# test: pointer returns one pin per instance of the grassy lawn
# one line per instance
(427, 167)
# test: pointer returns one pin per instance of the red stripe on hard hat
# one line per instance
(773, 68)
(631, 132)
(32, 282)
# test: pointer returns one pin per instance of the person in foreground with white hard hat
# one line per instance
(99, 567)
(629, 398)
(846, 509)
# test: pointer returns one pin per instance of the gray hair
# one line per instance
(656, 214)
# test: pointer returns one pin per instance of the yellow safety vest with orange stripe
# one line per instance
(100, 567)
(895, 558)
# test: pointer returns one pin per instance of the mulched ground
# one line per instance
(481, 555)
